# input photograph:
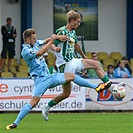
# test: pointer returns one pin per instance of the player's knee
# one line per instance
(34, 101)
(33, 104)
(97, 65)
(69, 76)
(66, 95)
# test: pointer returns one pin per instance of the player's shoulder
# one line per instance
(25, 47)
(60, 29)
(27, 50)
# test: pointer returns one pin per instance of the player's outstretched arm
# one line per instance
(62, 37)
(45, 48)
(59, 37)
(47, 40)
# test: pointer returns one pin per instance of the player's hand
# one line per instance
(54, 37)
(58, 49)
(62, 38)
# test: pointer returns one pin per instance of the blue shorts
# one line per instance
(42, 83)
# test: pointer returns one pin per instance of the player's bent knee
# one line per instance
(97, 65)
(69, 76)
(34, 101)
(66, 95)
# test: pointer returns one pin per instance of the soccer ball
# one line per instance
(119, 92)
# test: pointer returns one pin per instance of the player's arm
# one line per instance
(45, 48)
(61, 38)
(79, 50)
(47, 40)
(54, 48)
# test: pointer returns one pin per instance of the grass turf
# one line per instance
(70, 123)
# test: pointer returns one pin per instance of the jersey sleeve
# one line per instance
(40, 42)
(56, 42)
(58, 32)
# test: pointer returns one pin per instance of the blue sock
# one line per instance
(83, 82)
(24, 111)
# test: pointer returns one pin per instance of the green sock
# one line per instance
(51, 103)
(105, 79)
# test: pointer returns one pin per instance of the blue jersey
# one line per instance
(37, 65)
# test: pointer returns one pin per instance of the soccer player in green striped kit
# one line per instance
(66, 61)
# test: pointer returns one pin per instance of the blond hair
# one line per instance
(72, 15)
(27, 33)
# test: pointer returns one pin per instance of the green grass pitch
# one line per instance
(70, 123)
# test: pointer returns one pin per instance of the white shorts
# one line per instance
(74, 65)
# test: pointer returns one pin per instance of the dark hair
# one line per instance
(110, 66)
(8, 19)
(120, 61)
(93, 53)
(124, 58)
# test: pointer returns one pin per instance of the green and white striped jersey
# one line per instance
(67, 52)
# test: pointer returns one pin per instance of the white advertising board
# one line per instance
(105, 101)
(14, 93)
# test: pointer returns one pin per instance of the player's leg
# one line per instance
(40, 86)
(57, 80)
(66, 91)
(88, 63)
(67, 87)
(24, 111)
(65, 94)
(67, 77)
(80, 64)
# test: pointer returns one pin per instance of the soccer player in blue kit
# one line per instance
(38, 69)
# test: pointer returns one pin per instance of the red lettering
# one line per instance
(3, 88)
(104, 96)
